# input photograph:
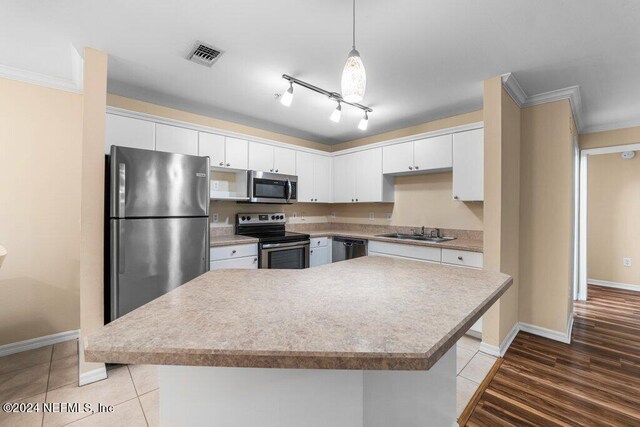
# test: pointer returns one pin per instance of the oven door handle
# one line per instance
(285, 245)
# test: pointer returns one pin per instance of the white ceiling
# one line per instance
(424, 59)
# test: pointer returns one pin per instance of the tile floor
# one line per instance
(50, 374)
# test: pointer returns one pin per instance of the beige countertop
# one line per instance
(457, 244)
(231, 239)
(373, 313)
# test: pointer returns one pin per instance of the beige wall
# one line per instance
(170, 113)
(546, 217)
(613, 215)
(92, 201)
(40, 142)
(501, 204)
(461, 119)
(419, 200)
(610, 138)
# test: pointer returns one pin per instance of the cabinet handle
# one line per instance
(410, 168)
(221, 163)
(270, 170)
(276, 170)
(233, 252)
(255, 260)
(352, 200)
(228, 164)
(460, 258)
(455, 197)
(311, 251)
(356, 200)
(417, 167)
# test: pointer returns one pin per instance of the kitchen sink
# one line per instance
(417, 237)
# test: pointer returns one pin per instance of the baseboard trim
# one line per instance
(34, 343)
(92, 376)
(493, 350)
(564, 337)
(616, 285)
(474, 334)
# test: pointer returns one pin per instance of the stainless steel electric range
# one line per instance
(277, 248)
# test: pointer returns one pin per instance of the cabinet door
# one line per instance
(284, 161)
(211, 145)
(369, 175)
(247, 263)
(319, 256)
(322, 178)
(304, 170)
(432, 153)
(344, 174)
(260, 157)
(397, 158)
(128, 132)
(175, 139)
(236, 153)
(468, 165)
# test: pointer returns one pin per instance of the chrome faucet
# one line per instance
(415, 233)
(435, 232)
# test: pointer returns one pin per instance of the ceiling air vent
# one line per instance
(204, 54)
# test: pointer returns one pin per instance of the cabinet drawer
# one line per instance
(247, 262)
(400, 257)
(234, 251)
(317, 242)
(464, 258)
(424, 253)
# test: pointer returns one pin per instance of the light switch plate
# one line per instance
(215, 217)
(216, 185)
(371, 216)
(294, 215)
(626, 262)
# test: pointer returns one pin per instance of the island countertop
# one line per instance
(369, 313)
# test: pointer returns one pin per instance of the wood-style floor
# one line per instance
(594, 381)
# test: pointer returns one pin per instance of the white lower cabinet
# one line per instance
(234, 256)
(319, 252)
(462, 258)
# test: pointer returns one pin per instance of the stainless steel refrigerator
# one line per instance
(158, 225)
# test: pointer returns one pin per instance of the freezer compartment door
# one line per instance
(146, 183)
(150, 257)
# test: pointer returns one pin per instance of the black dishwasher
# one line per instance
(344, 248)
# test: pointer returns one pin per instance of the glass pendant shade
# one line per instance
(354, 78)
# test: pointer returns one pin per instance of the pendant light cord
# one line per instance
(354, 24)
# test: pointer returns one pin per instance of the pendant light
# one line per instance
(354, 77)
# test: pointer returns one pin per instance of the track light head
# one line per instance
(364, 122)
(336, 114)
(287, 97)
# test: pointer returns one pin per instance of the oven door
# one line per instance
(265, 187)
(291, 255)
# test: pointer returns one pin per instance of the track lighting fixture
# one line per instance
(336, 115)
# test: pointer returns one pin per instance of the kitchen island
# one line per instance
(364, 342)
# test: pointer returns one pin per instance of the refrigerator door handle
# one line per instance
(121, 189)
(121, 257)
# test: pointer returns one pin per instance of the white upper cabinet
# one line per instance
(212, 145)
(260, 157)
(284, 161)
(224, 152)
(424, 155)
(173, 139)
(468, 165)
(268, 158)
(128, 132)
(357, 177)
(432, 154)
(397, 158)
(314, 177)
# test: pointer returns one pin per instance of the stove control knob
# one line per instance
(273, 217)
(281, 217)
(243, 218)
(248, 218)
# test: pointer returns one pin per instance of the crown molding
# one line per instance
(611, 126)
(572, 93)
(39, 79)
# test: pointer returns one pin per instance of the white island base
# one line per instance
(248, 397)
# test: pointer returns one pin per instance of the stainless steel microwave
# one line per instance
(266, 187)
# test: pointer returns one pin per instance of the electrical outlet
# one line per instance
(216, 185)
(626, 262)
(371, 216)
(294, 215)
(215, 217)
(333, 214)
(389, 216)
